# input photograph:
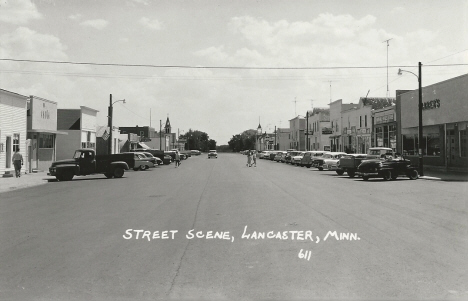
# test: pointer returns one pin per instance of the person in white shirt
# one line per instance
(17, 162)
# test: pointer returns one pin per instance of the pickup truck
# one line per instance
(85, 162)
(350, 162)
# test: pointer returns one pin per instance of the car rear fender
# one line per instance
(121, 164)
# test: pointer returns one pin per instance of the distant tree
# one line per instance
(198, 140)
(243, 141)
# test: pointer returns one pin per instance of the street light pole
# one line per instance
(420, 125)
(111, 111)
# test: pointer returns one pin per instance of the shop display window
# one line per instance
(46, 141)
(464, 143)
(430, 145)
(16, 142)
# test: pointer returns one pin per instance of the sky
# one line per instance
(224, 66)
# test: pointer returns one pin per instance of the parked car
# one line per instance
(153, 159)
(155, 152)
(296, 160)
(272, 155)
(289, 156)
(170, 153)
(167, 160)
(319, 161)
(279, 155)
(264, 155)
(349, 164)
(308, 158)
(388, 169)
(187, 154)
(212, 154)
(332, 163)
(141, 161)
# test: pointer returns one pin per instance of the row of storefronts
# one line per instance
(43, 133)
(390, 122)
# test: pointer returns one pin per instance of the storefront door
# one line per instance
(451, 147)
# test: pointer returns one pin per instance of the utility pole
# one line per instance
(388, 44)
(420, 134)
(109, 123)
(160, 134)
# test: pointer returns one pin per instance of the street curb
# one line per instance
(430, 178)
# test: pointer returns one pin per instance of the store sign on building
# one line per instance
(433, 104)
(327, 131)
(43, 114)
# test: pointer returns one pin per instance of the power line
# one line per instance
(224, 67)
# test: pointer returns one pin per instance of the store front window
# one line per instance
(430, 145)
(464, 143)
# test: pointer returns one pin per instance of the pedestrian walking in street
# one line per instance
(177, 159)
(254, 157)
(249, 158)
(17, 162)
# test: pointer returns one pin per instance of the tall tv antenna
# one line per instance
(388, 44)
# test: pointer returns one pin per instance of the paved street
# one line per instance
(71, 240)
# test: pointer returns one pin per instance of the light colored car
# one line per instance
(212, 154)
(155, 160)
(296, 160)
(279, 155)
(320, 161)
(264, 154)
(141, 162)
(332, 163)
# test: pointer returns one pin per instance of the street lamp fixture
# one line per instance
(420, 134)
(111, 111)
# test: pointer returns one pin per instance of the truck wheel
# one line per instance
(308, 165)
(387, 175)
(413, 174)
(340, 172)
(320, 168)
(118, 172)
(351, 173)
(108, 175)
(142, 167)
(365, 178)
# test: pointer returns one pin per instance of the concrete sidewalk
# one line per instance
(26, 180)
(449, 176)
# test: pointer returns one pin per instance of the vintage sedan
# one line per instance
(309, 157)
(155, 160)
(279, 155)
(319, 161)
(290, 155)
(296, 160)
(141, 161)
(388, 168)
(332, 163)
(213, 154)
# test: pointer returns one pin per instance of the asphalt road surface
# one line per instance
(72, 240)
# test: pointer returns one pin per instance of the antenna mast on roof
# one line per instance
(388, 44)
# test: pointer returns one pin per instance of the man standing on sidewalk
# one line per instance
(17, 162)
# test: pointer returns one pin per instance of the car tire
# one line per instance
(387, 175)
(340, 172)
(365, 178)
(320, 168)
(142, 167)
(308, 165)
(413, 174)
(108, 175)
(136, 168)
(68, 176)
(351, 173)
(118, 172)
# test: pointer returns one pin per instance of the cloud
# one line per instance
(151, 24)
(75, 17)
(18, 11)
(97, 23)
(28, 44)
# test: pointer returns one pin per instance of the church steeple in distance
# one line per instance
(167, 127)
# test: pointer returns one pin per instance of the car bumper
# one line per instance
(368, 174)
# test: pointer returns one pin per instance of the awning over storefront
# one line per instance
(48, 132)
(143, 145)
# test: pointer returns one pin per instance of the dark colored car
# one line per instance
(388, 169)
(195, 152)
(167, 159)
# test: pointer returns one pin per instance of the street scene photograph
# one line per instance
(233, 150)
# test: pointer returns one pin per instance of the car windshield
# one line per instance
(327, 156)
